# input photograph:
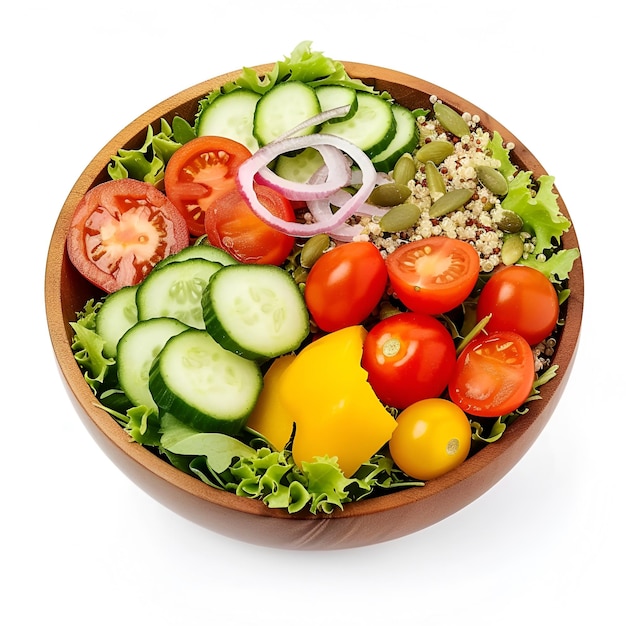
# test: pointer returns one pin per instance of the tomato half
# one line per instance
(432, 437)
(408, 357)
(345, 284)
(200, 171)
(433, 275)
(494, 374)
(520, 299)
(231, 225)
(120, 230)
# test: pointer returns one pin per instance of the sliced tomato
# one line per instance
(494, 374)
(433, 275)
(231, 225)
(200, 171)
(120, 230)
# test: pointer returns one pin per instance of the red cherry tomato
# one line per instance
(200, 171)
(231, 225)
(120, 230)
(433, 275)
(520, 299)
(494, 374)
(345, 285)
(408, 357)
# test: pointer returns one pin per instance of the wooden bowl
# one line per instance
(362, 523)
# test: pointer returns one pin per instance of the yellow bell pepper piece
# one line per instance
(337, 413)
(269, 417)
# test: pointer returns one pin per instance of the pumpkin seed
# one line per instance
(493, 179)
(435, 151)
(399, 218)
(434, 179)
(404, 169)
(450, 201)
(512, 249)
(313, 249)
(389, 194)
(509, 222)
(450, 119)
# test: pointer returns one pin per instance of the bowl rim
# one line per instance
(484, 468)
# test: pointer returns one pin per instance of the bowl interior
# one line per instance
(361, 523)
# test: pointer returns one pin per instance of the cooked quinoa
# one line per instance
(477, 222)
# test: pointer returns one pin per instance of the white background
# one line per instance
(81, 544)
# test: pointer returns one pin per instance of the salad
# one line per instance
(311, 294)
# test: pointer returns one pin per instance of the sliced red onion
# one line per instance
(265, 155)
(337, 173)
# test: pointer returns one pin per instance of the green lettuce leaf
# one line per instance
(498, 151)
(539, 211)
(148, 162)
(88, 346)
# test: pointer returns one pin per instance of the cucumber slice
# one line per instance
(203, 385)
(136, 352)
(299, 167)
(256, 311)
(116, 315)
(198, 251)
(371, 128)
(175, 291)
(282, 108)
(333, 96)
(405, 140)
(231, 115)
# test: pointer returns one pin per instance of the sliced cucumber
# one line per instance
(256, 311)
(175, 291)
(371, 128)
(137, 350)
(282, 108)
(405, 139)
(198, 251)
(231, 116)
(116, 315)
(299, 167)
(203, 385)
(333, 96)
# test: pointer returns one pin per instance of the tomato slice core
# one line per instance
(120, 230)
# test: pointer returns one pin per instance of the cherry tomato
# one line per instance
(200, 171)
(345, 284)
(494, 374)
(408, 357)
(433, 275)
(520, 299)
(230, 224)
(120, 230)
(432, 437)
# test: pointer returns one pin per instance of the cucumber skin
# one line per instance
(386, 160)
(169, 402)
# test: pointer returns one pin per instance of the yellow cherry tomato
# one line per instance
(433, 436)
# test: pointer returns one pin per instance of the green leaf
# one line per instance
(556, 267)
(88, 346)
(219, 449)
(539, 211)
(498, 151)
